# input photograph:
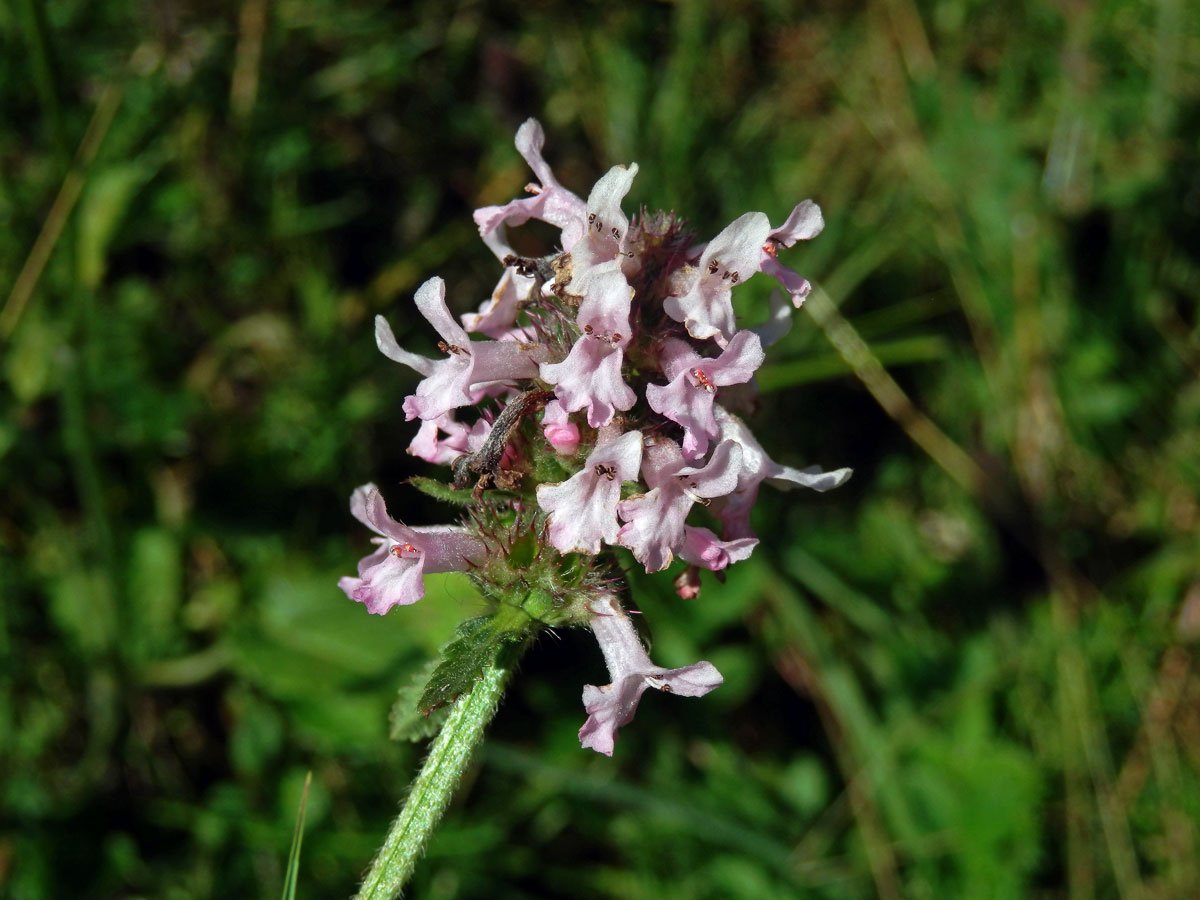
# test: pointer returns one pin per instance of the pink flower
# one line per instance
(654, 528)
(551, 202)
(448, 382)
(756, 467)
(393, 574)
(688, 398)
(590, 376)
(778, 323)
(607, 234)
(703, 548)
(560, 431)
(632, 671)
(583, 509)
(497, 316)
(702, 300)
(804, 223)
(460, 438)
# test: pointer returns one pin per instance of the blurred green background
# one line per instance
(968, 673)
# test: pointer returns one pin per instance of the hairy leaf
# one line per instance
(477, 644)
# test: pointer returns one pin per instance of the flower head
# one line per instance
(626, 309)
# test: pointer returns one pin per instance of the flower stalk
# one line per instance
(434, 786)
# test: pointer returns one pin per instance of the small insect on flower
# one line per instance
(607, 472)
(704, 380)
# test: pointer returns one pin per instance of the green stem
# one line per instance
(434, 786)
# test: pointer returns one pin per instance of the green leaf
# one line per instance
(441, 491)
(155, 591)
(408, 721)
(477, 643)
(84, 609)
(104, 203)
(293, 864)
(29, 360)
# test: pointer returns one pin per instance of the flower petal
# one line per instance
(498, 315)
(590, 377)
(392, 575)
(583, 509)
(703, 548)
(803, 224)
(560, 431)
(631, 671)
(386, 341)
(793, 282)
(705, 307)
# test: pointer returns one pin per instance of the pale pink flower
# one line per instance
(687, 399)
(393, 574)
(654, 528)
(702, 300)
(497, 316)
(632, 671)
(607, 236)
(756, 467)
(779, 320)
(583, 509)
(448, 382)
(687, 583)
(430, 445)
(703, 548)
(590, 376)
(804, 223)
(551, 202)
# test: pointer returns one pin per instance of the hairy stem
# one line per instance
(434, 786)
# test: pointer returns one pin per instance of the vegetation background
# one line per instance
(969, 673)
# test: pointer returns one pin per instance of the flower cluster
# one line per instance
(611, 372)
